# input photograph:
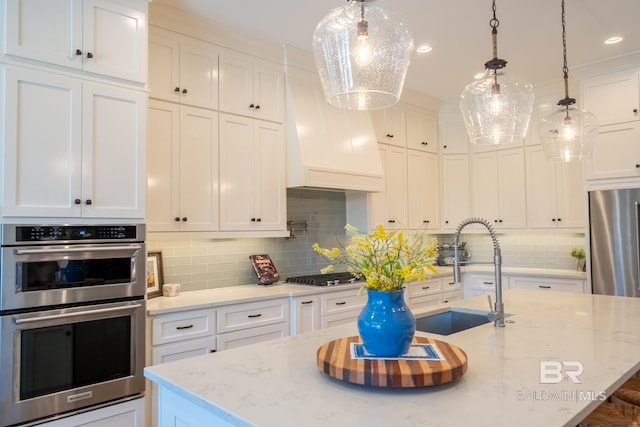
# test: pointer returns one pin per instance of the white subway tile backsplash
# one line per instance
(212, 263)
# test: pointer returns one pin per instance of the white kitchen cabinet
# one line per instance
(126, 414)
(498, 188)
(390, 125)
(340, 307)
(251, 87)
(453, 134)
(475, 284)
(613, 98)
(306, 314)
(548, 284)
(616, 153)
(182, 69)
(97, 36)
(422, 130)
(456, 193)
(93, 162)
(424, 293)
(182, 169)
(389, 207)
(555, 192)
(249, 323)
(252, 174)
(423, 190)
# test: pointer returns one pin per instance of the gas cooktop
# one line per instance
(329, 279)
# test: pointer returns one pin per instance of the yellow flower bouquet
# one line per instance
(384, 259)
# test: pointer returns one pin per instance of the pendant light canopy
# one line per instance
(496, 108)
(362, 53)
(569, 133)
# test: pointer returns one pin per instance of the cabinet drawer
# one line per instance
(242, 316)
(452, 295)
(564, 285)
(449, 285)
(428, 287)
(183, 349)
(424, 301)
(346, 300)
(183, 325)
(253, 336)
(340, 318)
(480, 281)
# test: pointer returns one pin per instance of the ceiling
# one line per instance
(529, 34)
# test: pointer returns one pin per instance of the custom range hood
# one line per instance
(327, 147)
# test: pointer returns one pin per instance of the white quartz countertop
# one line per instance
(277, 383)
(244, 293)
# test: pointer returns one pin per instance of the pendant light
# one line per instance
(569, 133)
(362, 53)
(496, 108)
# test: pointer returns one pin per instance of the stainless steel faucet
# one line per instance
(497, 313)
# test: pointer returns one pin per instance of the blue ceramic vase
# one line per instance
(386, 324)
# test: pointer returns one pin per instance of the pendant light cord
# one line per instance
(566, 101)
(495, 63)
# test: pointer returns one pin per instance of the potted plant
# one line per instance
(385, 261)
(579, 255)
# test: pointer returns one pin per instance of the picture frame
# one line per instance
(154, 274)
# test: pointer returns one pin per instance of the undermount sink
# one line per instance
(452, 320)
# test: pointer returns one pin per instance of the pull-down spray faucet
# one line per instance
(497, 313)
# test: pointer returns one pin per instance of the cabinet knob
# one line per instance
(424, 143)
(184, 91)
(77, 201)
(258, 219)
(257, 106)
(635, 111)
(176, 219)
(184, 219)
(78, 52)
(446, 222)
(444, 146)
(251, 106)
(88, 202)
(500, 220)
(553, 220)
(177, 89)
(253, 220)
(389, 135)
(426, 221)
(559, 219)
(392, 221)
(637, 165)
(89, 55)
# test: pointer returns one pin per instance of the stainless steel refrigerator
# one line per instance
(614, 232)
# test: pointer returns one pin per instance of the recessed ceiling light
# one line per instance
(424, 49)
(613, 40)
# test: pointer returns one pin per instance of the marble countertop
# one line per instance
(244, 293)
(277, 383)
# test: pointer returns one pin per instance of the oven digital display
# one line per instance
(39, 233)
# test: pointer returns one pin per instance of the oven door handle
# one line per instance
(75, 249)
(77, 313)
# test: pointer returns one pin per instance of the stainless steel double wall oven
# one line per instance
(72, 319)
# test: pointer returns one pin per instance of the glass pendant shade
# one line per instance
(362, 53)
(568, 134)
(497, 113)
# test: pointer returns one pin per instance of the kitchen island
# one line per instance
(277, 383)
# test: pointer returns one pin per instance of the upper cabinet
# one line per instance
(390, 125)
(79, 154)
(456, 193)
(614, 99)
(97, 36)
(389, 207)
(251, 87)
(422, 130)
(182, 69)
(423, 184)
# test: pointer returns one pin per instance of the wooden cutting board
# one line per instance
(334, 359)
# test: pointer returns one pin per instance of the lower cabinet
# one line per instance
(548, 284)
(126, 414)
(481, 284)
(306, 314)
(433, 291)
(340, 307)
(253, 335)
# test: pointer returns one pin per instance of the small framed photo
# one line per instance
(154, 274)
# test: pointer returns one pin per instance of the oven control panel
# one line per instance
(21, 234)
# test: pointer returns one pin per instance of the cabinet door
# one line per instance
(389, 207)
(390, 125)
(113, 152)
(269, 176)
(198, 73)
(422, 130)
(306, 314)
(455, 190)
(183, 350)
(615, 153)
(48, 31)
(511, 185)
(115, 39)
(612, 98)
(423, 189)
(236, 85)
(542, 211)
(571, 198)
(199, 159)
(250, 336)
(268, 94)
(237, 182)
(164, 64)
(453, 135)
(484, 187)
(41, 179)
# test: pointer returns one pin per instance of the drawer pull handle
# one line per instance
(184, 327)
(544, 286)
(306, 302)
(426, 287)
(488, 283)
(452, 283)
(253, 316)
(341, 303)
